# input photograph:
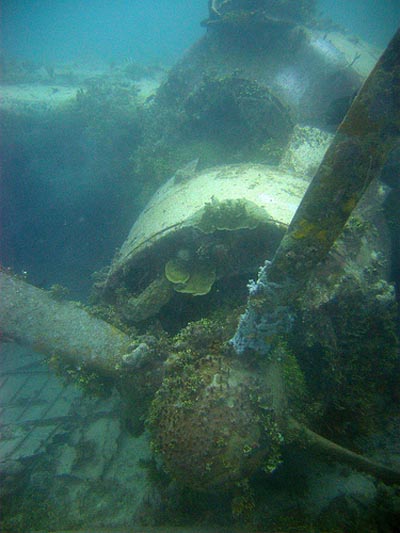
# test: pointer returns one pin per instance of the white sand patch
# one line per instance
(40, 97)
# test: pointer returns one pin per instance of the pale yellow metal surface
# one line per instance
(176, 202)
(358, 54)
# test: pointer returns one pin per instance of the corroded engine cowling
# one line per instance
(215, 224)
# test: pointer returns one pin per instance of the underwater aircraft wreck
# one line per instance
(231, 387)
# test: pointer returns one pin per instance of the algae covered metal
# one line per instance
(362, 144)
(200, 228)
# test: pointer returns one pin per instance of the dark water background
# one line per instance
(66, 30)
(372, 20)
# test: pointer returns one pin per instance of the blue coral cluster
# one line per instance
(267, 318)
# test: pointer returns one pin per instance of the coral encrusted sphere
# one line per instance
(212, 422)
